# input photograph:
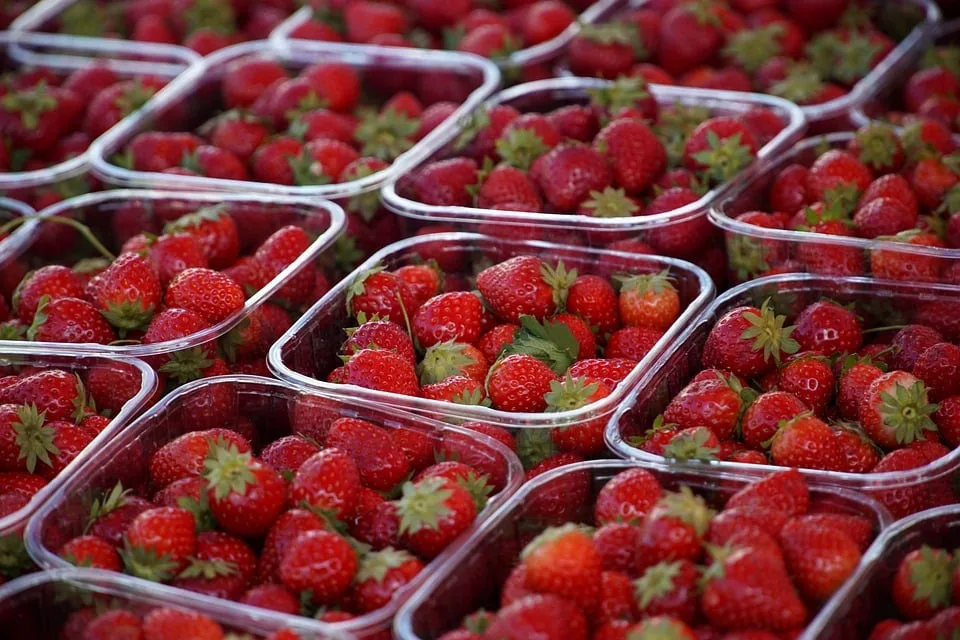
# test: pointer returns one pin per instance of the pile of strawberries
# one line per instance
(925, 591)
(933, 90)
(527, 341)
(826, 392)
(329, 522)
(179, 270)
(47, 418)
(808, 53)
(202, 25)
(46, 119)
(884, 184)
(464, 25)
(664, 564)
(619, 155)
(161, 623)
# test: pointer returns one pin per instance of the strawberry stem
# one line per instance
(84, 230)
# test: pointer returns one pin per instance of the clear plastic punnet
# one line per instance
(265, 410)
(754, 251)
(865, 599)
(42, 605)
(63, 55)
(888, 303)
(133, 374)
(194, 99)
(471, 579)
(547, 94)
(537, 54)
(308, 351)
(108, 215)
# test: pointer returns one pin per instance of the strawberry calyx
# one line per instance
(560, 280)
(551, 535)
(656, 582)
(840, 200)
(478, 621)
(208, 569)
(747, 256)
(216, 15)
(878, 145)
(768, 333)
(930, 576)
(534, 446)
(473, 397)
(520, 147)
(134, 97)
(616, 32)
(947, 57)
(84, 18)
(855, 58)
(823, 52)
(611, 203)
(704, 11)
(686, 506)
(750, 48)
(200, 509)
(14, 559)
(366, 204)
(357, 287)
(34, 438)
(83, 403)
(658, 282)
(691, 446)
(620, 94)
(855, 16)
(88, 266)
(128, 314)
(12, 330)
(442, 361)
(111, 501)
(147, 564)
(375, 566)
(470, 126)
(724, 158)
(951, 201)
(423, 505)
(659, 424)
(39, 317)
(186, 365)
(233, 339)
(478, 488)
(907, 410)
(802, 84)
(551, 342)
(30, 104)
(307, 172)
(386, 135)
(194, 220)
(227, 471)
(915, 147)
(570, 393)
(309, 102)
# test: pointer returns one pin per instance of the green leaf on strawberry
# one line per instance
(422, 505)
(768, 333)
(750, 48)
(691, 446)
(550, 342)
(725, 158)
(34, 439)
(908, 411)
(442, 361)
(146, 564)
(386, 135)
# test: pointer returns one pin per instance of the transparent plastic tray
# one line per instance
(324, 220)
(266, 404)
(196, 90)
(548, 94)
(750, 247)
(12, 525)
(834, 114)
(67, 54)
(886, 96)
(38, 605)
(865, 599)
(472, 578)
(538, 54)
(308, 351)
(789, 293)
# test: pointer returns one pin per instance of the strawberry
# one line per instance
(828, 328)
(750, 589)
(891, 264)
(909, 343)
(541, 616)
(215, 232)
(905, 500)
(381, 335)
(636, 155)
(668, 588)
(762, 417)
(111, 514)
(59, 394)
(449, 316)
(279, 251)
(519, 383)
(576, 578)
(327, 482)
(222, 566)
(649, 301)
(452, 359)
(446, 182)
(381, 466)
(947, 419)
(157, 151)
(714, 402)
(931, 180)
(785, 491)
(91, 551)
(921, 586)
(158, 543)
(673, 530)
(70, 320)
(170, 254)
(208, 293)
(857, 451)
(820, 558)
(610, 372)
(524, 285)
(568, 173)
(744, 341)
(245, 496)
(273, 597)
(662, 626)
(115, 623)
(319, 561)
(52, 281)
(809, 378)
(433, 512)
(380, 575)
(719, 148)
(937, 367)
(381, 370)
(184, 456)
(594, 299)
(690, 35)
(165, 622)
(627, 497)
(633, 343)
(895, 411)
(382, 293)
(507, 185)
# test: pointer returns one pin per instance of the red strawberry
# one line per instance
(380, 575)
(568, 173)
(319, 561)
(594, 299)
(444, 183)
(828, 328)
(895, 411)
(59, 394)
(673, 530)
(921, 586)
(52, 281)
(222, 566)
(70, 320)
(172, 253)
(809, 378)
(184, 456)
(649, 301)
(507, 185)
(820, 558)
(764, 414)
(627, 497)
(449, 316)
(159, 542)
(382, 293)
(91, 551)
(541, 616)
(327, 482)
(878, 147)
(245, 496)
(273, 597)
(747, 341)
(380, 464)
(208, 293)
(215, 231)
(714, 402)
(115, 623)
(433, 513)
(690, 35)
(381, 370)
(668, 588)
(382, 334)
(520, 383)
(938, 367)
(636, 155)
(525, 285)
(719, 148)
(838, 175)
(858, 454)
(564, 562)
(785, 492)
(279, 251)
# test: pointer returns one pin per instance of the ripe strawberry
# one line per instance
(878, 147)
(222, 566)
(59, 394)
(446, 182)
(713, 402)
(809, 378)
(690, 35)
(508, 185)
(828, 328)
(273, 160)
(761, 418)
(594, 299)
(449, 316)
(382, 335)
(382, 293)
(380, 575)
(649, 301)
(838, 175)
(172, 253)
(319, 561)
(568, 173)
(158, 543)
(636, 155)
(327, 482)
(820, 558)
(564, 562)
(673, 530)
(633, 343)
(539, 616)
(931, 180)
(719, 148)
(380, 464)
(610, 372)
(525, 285)
(627, 497)
(114, 623)
(91, 551)
(111, 514)
(937, 366)
(905, 500)
(279, 251)
(156, 151)
(858, 454)
(520, 383)
(895, 411)
(947, 419)
(273, 597)
(785, 492)
(184, 456)
(921, 586)
(245, 496)
(745, 340)
(433, 512)
(449, 359)
(208, 293)
(165, 622)
(215, 231)
(668, 588)
(381, 370)
(52, 281)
